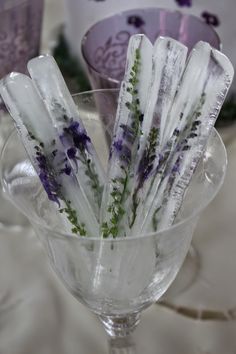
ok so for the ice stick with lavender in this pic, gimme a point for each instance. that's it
(46, 153)
(128, 129)
(78, 147)
(169, 57)
(201, 94)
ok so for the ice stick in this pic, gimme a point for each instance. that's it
(169, 60)
(46, 152)
(202, 92)
(78, 147)
(168, 65)
(128, 129)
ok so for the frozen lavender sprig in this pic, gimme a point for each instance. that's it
(47, 154)
(202, 92)
(128, 129)
(169, 58)
(77, 145)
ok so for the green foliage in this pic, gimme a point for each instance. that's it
(90, 172)
(72, 217)
(70, 66)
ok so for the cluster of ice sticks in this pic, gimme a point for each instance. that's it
(168, 104)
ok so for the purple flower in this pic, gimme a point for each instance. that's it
(74, 137)
(211, 19)
(146, 173)
(46, 176)
(118, 145)
(71, 152)
(41, 161)
(135, 21)
(50, 185)
(66, 170)
(128, 133)
(184, 2)
(74, 126)
(80, 140)
(145, 167)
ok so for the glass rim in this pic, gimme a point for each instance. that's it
(59, 234)
(121, 13)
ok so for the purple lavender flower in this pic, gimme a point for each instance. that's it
(122, 150)
(184, 3)
(74, 126)
(118, 145)
(146, 173)
(135, 21)
(50, 184)
(66, 170)
(146, 164)
(42, 162)
(176, 167)
(80, 140)
(79, 137)
(128, 133)
(145, 168)
(211, 19)
(71, 152)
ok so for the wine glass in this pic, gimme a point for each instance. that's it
(115, 278)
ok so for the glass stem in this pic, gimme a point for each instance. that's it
(119, 329)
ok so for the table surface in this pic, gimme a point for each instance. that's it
(37, 315)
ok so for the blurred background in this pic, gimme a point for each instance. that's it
(89, 40)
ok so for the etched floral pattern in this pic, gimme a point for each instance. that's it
(110, 57)
(184, 2)
(211, 19)
(136, 21)
(20, 28)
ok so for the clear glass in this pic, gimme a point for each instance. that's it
(10, 217)
(114, 278)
